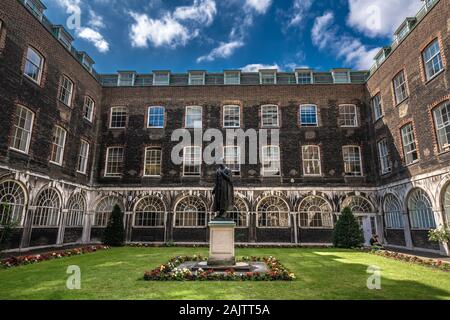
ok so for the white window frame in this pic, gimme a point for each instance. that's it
(442, 127)
(384, 156)
(352, 174)
(160, 83)
(224, 121)
(148, 161)
(111, 117)
(83, 158)
(195, 161)
(69, 90)
(262, 116)
(271, 159)
(298, 77)
(195, 216)
(343, 116)
(318, 161)
(114, 175)
(35, 8)
(267, 73)
(59, 144)
(407, 142)
(197, 78)
(437, 56)
(28, 131)
(40, 67)
(316, 124)
(149, 116)
(233, 159)
(397, 86)
(229, 75)
(89, 106)
(149, 212)
(339, 75)
(187, 115)
(128, 82)
(377, 106)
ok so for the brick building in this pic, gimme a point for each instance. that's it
(74, 143)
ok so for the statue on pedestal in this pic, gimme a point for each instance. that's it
(223, 192)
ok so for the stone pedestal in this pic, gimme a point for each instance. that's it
(221, 243)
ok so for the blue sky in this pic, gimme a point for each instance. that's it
(181, 35)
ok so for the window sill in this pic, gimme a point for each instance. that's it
(55, 163)
(113, 128)
(112, 177)
(378, 120)
(443, 152)
(82, 173)
(19, 151)
(401, 102)
(412, 163)
(434, 76)
(37, 83)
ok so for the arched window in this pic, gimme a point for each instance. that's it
(358, 204)
(190, 212)
(273, 212)
(447, 204)
(104, 210)
(149, 212)
(47, 209)
(76, 209)
(420, 210)
(315, 212)
(12, 202)
(393, 212)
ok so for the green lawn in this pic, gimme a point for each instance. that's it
(321, 274)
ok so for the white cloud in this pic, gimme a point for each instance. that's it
(380, 17)
(326, 36)
(259, 6)
(224, 50)
(298, 12)
(258, 66)
(95, 20)
(202, 11)
(95, 38)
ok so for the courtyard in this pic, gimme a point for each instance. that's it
(320, 274)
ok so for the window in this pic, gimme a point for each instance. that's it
(358, 205)
(271, 165)
(114, 162)
(400, 89)
(352, 161)
(194, 117)
(308, 116)
(341, 77)
(161, 78)
(304, 77)
(348, 116)
(232, 158)
(83, 157)
(315, 212)
(190, 212)
(268, 77)
(446, 205)
(104, 210)
(383, 156)
(58, 144)
(232, 77)
(196, 79)
(65, 91)
(47, 209)
(377, 107)
(23, 127)
(35, 7)
(88, 108)
(442, 123)
(420, 210)
(393, 212)
(76, 209)
(409, 144)
(192, 161)
(126, 79)
(33, 65)
(149, 212)
(311, 160)
(231, 116)
(239, 213)
(156, 117)
(12, 202)
(118, 118)
(269, 116)
(152, 162)
(273, 212)
(432, 60)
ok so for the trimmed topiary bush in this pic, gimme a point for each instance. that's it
(115, 233)
(347, 233)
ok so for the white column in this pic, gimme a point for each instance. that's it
(407, 230)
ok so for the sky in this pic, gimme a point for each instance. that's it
(215, 35)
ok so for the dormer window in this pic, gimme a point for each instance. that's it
(86, 61)
(341, 76)
(161, 78)
(268, 76)
(196, 78)
(126, 79)
(36, 7)
(304, 76)
(404, 29)
(232, 77)
(63, 36)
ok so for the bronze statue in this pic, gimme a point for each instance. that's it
(223, 192)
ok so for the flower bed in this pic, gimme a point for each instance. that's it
(169, 271)
(433, 263)
(35, 258)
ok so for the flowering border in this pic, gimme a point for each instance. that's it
(432, 263)
(30, 259)
(168, 272)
